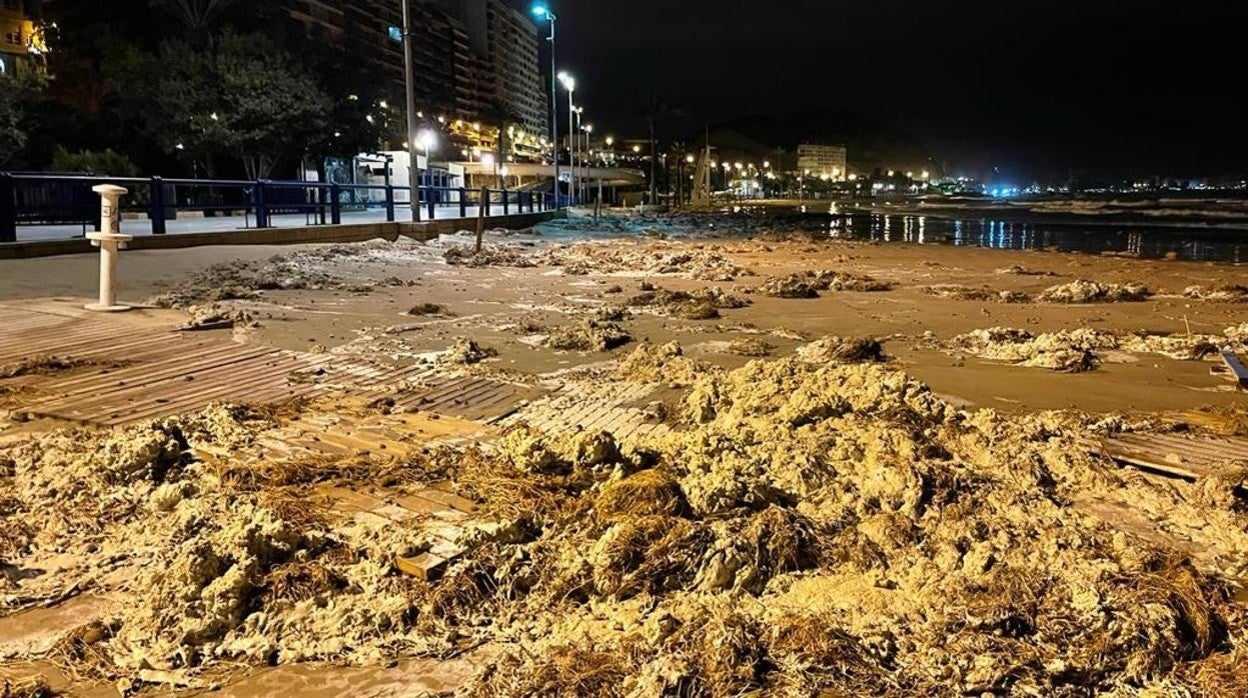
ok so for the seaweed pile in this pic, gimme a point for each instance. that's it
(1082, 291)
(1068, 350)
(808, 284)
(810, 528)
(699, 304)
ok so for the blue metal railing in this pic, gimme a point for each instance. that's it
(46, 199)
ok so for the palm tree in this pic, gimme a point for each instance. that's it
(197, 16)
(658, 107)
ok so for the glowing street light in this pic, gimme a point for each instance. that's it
(610, 141)
(427, 139)
(542, 11)
(689, 158)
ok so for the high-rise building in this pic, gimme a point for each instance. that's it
(21, 46)
(449, 79)
(822, 161)
(508, 42)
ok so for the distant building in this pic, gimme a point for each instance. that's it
(467, 55)
(21, 44)
(823, 161)
(508, 42)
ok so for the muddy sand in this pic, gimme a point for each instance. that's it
(861, 474)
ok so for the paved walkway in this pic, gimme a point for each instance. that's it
(228, 223)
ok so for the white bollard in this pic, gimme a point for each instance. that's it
(109, 240)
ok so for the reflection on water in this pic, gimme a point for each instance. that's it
(1213, 246)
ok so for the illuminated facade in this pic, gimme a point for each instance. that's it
(823, 161)
(21, 44)
(508, 42)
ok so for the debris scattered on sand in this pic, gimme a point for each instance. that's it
(465, 352)
(841, 350)
(244, 279)
(1175, 346)
(1023, 271)
(969, 293)
(750, 346)
(692, 261)
(1068, 350)
(428, 309)
(588, 335)
(808, 284)
(492, 255)
(217, 315)
(47, 365)
(1082, 291)
(812, 527)
(1225, 293)
(662, 363)
(700, 304)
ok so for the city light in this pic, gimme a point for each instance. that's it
(636, 149)
(689, 159)
(610, 141)
(540, 10)
(427, 139)
(568, 82)
(487, 159)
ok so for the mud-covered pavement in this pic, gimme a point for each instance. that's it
(801, 466)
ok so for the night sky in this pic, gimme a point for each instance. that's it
(1122, 87)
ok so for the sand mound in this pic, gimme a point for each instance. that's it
(491, 255)
(1093, 292)
(1067, 350)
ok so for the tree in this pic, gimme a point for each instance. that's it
(245, 97)
(12, 136)
(502, 117)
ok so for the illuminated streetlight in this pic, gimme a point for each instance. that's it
(542, 11)
(427, 139)
(689, 158)
(610, 141)
(636, 149)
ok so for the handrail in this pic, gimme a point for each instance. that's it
(29, 199)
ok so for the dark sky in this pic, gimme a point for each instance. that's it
(1112, 87)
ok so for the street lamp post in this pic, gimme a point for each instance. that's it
(413, 174)
(569, 84)
(541, 10)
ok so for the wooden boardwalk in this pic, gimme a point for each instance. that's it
(123, 372)
(1187, 457)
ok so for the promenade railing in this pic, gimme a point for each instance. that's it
(35, 199)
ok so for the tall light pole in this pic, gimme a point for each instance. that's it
(541, 10)
(413, 174)
(569, 84)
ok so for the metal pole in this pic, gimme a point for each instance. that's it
(571, 150)
(554, 111)
(413, 169)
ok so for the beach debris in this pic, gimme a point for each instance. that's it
(1224, 293)
(841, 350)
(650, 257)
(429, 309)
(1082, 291)
(660, 363)
(1068, 350)
(969, 293)
(1175, 346)
(466, 351)
(491, 255)
(808, 284)
(750, 346)
(588, 335)
(211, 316)
(700, 304)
